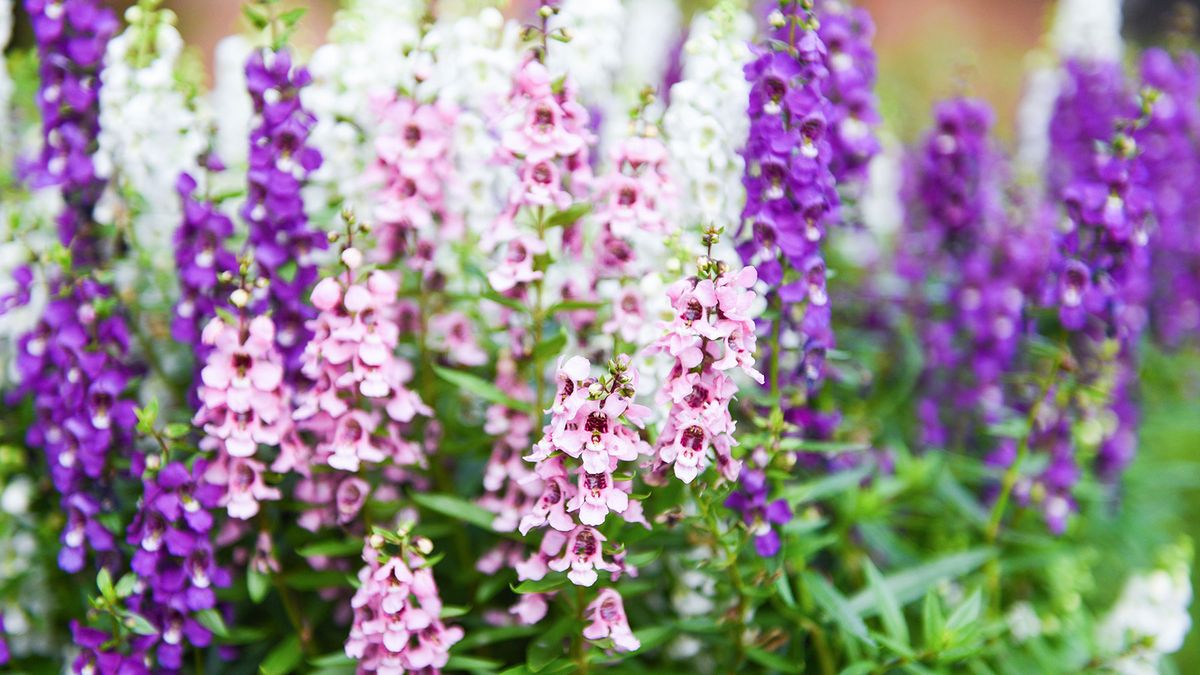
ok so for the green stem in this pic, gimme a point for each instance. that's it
(731, 569)
(539, 318)
(578, 644)
(1009, 481)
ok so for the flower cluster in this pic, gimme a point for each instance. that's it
(244, 403)
(397, 625)
(148, 133)
(706, 119)
(1149, 620)
(366, 60)
(73, 365)
(352, 358)
(853, 114)
(175, 566)
(791, 196)
(545, 133)
(968, 279)
(412, 168)
(280, 162)
(201, 256)
(712, 333)
(71, 38)
(581, 448)
(1170, 145)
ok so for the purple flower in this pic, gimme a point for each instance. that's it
(760, 515)
(791, 194)
(72, 364)
(280, 162)
(71, 38)
(201, 255)
(847, 33)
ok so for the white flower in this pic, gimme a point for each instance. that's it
(1023, 621)
(1088, 29)
(148, 135)
(231, 105)
(593, 54)
(372, 53)
(1153, 608)
(707, 121)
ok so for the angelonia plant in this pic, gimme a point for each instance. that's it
(560, 336)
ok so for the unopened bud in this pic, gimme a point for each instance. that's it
(375, 541)
(352, 257)
(240, 298)
(423, 545)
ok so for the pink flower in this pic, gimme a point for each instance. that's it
(244, 486)
(356, 374)
(596, 496)
(517, 266)
(551, 506)
(583, 555)
(607, 613)
(712, 333)
(243, 404)
(530, 608)
(453, 334)
(396, 624)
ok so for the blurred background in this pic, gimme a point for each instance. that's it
(928, 50)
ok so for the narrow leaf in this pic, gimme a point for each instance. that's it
(835, 605)
(212, 620)
(283, 658)
(912, 583)
(482, 388)
(889, 608)
(457, 508)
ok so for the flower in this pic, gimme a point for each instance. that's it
(759, 514)
(280, 162)
(607, 614)
(396, 608)
(710, 334)
(244, 403)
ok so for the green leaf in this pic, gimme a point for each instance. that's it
(255, 16)
(822, 447)
(933, 624)
(226, 316)
(783, 587)
(457, 508)
(211, 619)
(332, 660)
(458, 662)
(147, 416)
(126, 585)
(771, 660)
(823, 488)
(541, 585)
(551, 346)
(889, 609)
(835, 605)
(139, 624)
(331, 547)
(912, 583)
(858, 668)
(492, 634)
(574, 305)
(286, 271)
(312, 580)
(569, 215)
(965, 614)
(105, 584)
(257, 585)
(283, 658)
(483, 389)
(548, 646)
(177, 430)
(451, 611)
(293, 16)
(653, 636)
